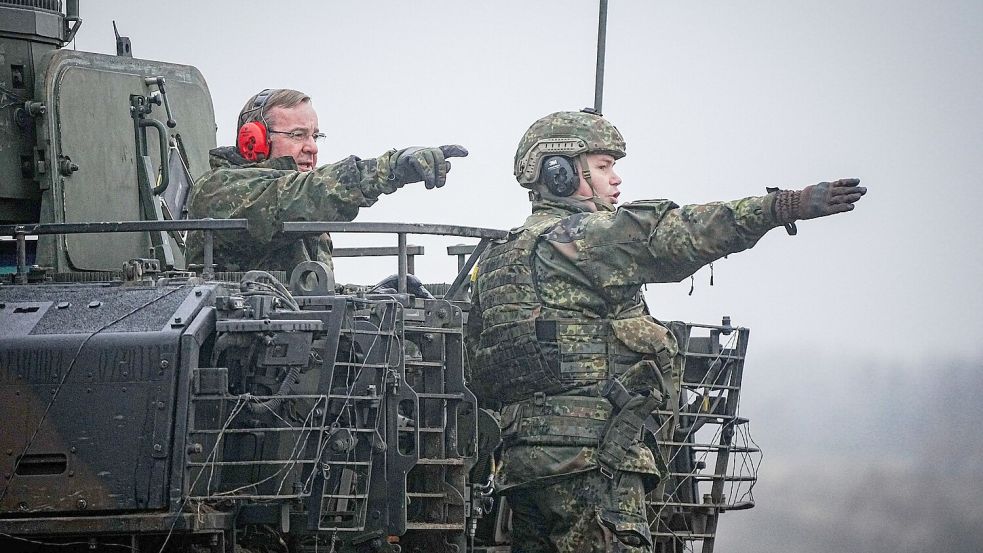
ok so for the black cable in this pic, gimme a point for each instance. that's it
(68, 372)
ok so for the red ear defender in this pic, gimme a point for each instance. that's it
(253, 142)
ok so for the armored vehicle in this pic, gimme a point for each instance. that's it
(146, 405)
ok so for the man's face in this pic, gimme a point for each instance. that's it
(603, 177)
(300, 118)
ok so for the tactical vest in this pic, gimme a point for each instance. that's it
(526, 347)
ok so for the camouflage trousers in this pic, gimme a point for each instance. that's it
(583, 513)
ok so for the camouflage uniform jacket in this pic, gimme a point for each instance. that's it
(588, 267)
(273, 191)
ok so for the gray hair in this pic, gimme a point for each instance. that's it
(256, 107)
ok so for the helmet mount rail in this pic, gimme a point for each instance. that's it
(529, 171)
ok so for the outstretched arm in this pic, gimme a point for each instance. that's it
(334, 192)
(658, 241)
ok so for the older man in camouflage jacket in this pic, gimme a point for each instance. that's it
(271, 176)
(563, 341)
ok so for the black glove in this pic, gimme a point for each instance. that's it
(414, 286)
(818, 200)
(425, 164)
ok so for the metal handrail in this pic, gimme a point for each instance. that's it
(486, 235)
(33, 229)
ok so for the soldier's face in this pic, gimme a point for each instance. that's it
(302, 118)
(603, 177)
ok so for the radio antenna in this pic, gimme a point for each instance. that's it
(602, 24)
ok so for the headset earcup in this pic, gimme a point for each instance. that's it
(253, 142)
(559, 176)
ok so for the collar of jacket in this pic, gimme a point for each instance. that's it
(559, 206)
(229, 157)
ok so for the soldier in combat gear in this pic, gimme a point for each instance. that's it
(563, 341)
(272, 176)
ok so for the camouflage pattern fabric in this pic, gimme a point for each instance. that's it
(587, 513)
(273, 191)
(567, 133)
(589, 266)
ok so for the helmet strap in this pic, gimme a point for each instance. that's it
(598, 202)
(585, 169)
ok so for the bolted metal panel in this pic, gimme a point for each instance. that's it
(88, 375)
(89, 125)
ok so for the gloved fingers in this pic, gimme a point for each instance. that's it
(433, 161)
(847, 192)
(847, 198)
(446, 151)
(840, 208)
(453, 150)
(427, 164)
(851, 189)
(441, 167)
(422, 169)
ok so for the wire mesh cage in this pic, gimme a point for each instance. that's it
(711, 458)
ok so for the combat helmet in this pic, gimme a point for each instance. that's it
(565, 133)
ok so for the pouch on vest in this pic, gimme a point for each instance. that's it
(524, 357)
(645, 335)
(511, 364)
(557, 421)
(624, 430)
(630, 530)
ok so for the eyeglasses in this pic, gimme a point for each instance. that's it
(300, 136)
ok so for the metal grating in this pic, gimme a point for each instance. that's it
(711, 457)
(232, 440)
(437, 489)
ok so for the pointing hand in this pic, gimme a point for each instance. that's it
(429, 165)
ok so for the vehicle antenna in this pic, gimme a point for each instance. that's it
(602, 24)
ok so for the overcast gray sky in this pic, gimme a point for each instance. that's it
(717, 100)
